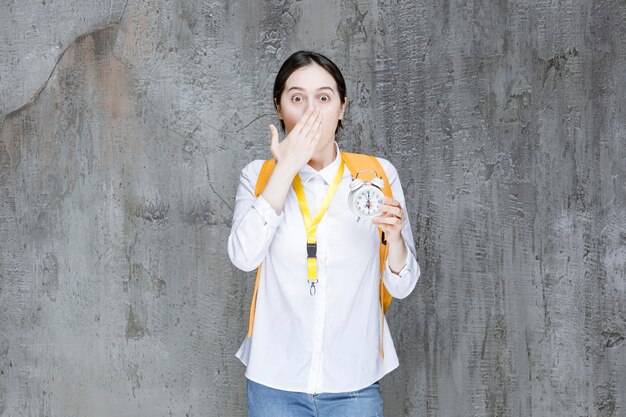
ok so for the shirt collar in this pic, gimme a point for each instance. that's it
(327, 173)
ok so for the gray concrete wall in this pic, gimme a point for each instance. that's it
(123, 131)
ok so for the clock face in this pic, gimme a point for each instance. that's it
(368, 201)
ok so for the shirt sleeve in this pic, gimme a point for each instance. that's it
(400, 285)
(254, 222)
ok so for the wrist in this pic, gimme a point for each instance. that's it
(286, 170)
(394, 239)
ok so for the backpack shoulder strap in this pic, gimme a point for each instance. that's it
(264, 176)
(358, 162)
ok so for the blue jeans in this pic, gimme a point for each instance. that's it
(264, 401)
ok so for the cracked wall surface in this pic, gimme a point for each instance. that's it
(33, 37)
(124, 127)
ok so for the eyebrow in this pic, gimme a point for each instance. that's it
(302, 89)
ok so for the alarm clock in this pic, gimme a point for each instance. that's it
(366, 198)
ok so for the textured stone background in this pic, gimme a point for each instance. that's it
(124, 129)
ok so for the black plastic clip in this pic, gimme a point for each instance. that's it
(311, 250)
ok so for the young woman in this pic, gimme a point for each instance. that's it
(315, 350)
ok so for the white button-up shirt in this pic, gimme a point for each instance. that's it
(328, 342)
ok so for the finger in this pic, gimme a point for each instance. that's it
(273, 141)
(317, 137)
(273, 135)
(315, 130)
(387, 220)
(308, 126)
(391, 201)
(393, 210)
(303, 120)
(377, 223)
(309, 123)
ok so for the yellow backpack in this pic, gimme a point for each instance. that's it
(355, 162)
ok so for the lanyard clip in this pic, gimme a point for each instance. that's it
(311, 250)
(311, 253)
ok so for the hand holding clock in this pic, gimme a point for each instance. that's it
(391, 219)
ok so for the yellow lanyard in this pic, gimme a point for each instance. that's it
(311, 224)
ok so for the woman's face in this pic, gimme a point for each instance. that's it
(312, 86)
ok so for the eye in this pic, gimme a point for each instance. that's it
(324, 98)
(296, 98)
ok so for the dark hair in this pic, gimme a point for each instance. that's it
(302, 59)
